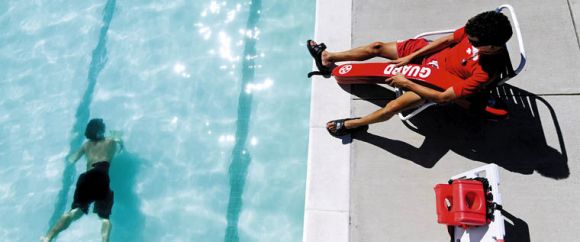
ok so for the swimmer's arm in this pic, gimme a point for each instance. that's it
(423, 91)
(116, 136)
(76, 156)
(121, 144)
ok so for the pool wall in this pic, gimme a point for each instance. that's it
(326, 212)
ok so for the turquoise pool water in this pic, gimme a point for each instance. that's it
(211, 97)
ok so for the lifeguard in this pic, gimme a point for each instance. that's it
(475, 54)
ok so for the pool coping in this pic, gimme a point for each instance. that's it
(327, 199)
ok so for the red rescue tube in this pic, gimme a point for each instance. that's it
(372, 73)
(365, 73)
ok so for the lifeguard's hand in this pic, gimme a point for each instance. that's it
(402, 61)
(398, 80)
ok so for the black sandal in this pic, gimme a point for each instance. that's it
(316, 53)
(341, 130)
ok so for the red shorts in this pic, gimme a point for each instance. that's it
(406, 47)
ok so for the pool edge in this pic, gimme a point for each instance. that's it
(327, 199)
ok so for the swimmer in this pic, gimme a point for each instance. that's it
(93, 185)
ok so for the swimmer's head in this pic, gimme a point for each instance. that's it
(95, 130)
(489, 28)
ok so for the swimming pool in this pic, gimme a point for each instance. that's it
(211, 97)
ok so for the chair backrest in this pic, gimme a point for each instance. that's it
(510, 72)
(504, 70)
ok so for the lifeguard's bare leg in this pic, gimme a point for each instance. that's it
(376, 49)
(62, 224)
(403, 102)
(106, 229)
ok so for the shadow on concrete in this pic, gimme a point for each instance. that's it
(516, 229)
(517, 144)
(373, 93)
(451, 232)
(127, 219)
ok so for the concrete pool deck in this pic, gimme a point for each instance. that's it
(379, 186)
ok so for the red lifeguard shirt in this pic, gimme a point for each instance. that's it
(462, 60)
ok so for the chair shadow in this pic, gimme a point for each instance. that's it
(516, 229)
(127, 219)
(517, 143)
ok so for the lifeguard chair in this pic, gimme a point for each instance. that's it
(471, 202)
(483, 101)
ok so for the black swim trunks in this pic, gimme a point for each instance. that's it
(93, 186)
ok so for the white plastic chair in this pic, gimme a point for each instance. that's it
(520, 67)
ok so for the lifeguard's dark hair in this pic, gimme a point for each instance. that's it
(95, 130)
(491, 28)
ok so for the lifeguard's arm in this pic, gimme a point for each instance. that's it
(76, 156)
(432, 47)
(425, 92)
